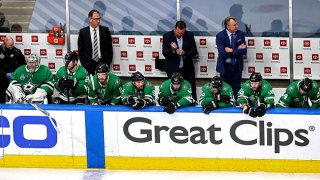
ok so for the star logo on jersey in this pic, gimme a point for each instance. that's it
(29, 87)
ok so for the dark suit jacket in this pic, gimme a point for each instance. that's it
(85, 47)
(173, 60)
(223, 41)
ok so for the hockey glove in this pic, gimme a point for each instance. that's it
(140, 103)
(165, 101)
(132, 100)
(249, 111)
(170, 108)
(39, 95)
(209, 107)
(67, 83)
(261, 110)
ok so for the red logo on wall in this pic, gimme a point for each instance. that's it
(132, 67)
(267, 42)
(155, 54)
(147, 40)
(34, 38)
(299, 57)
(115, 40)
(116, 67)
(43, 52)
(251, 69)
(58, 52)
(315, 57)
(139, 54)
(148, 68)
(161, 40)
(306, 43)
(210, 55)
(283, 42)
(51, 65)
(275, 56)
(124, 54)
(203, 69)
(18, 38)
(250, 42)
(2, 37)
(203, 42)
(131, 40)
(283, 70)
(259, 56)
(267, 69)
(307, 70)
(27, 52)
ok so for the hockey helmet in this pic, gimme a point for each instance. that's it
(255, 77)
(306, 84)
(137, 76)
(71, 56)
(177, 78)
(102, 68)
(216, 82)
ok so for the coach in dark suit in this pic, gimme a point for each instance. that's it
(94, 43)
(232, 47)
(178, 48)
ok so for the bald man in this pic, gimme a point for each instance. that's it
(10, 59)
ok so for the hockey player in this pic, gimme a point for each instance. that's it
(71, 81)
(216, 94)
(104, 88)
(31, 82)
(139, 92)
(175, 93)
(255, 96)
(301, 94)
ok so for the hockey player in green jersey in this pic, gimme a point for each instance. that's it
(71, 81)
(31, 82)
(216, 94)
(138, 93)
(104, 88)
(255, 96)
(174, 93)
(301, 94)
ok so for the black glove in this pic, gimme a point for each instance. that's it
(131, 100)
(209, 107)
(224, 98)
(140, 103)
(66, 83)
(165, 101)
(251, 112)
(170, 108)
(261, 110)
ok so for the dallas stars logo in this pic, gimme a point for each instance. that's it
(28, 88)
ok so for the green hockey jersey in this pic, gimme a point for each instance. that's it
(147, 93)
(42, 78)
(183, 97)
(292, 97)
(264, 94)
(207, 95)
(110, 93)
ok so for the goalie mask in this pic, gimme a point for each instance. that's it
(33, 62)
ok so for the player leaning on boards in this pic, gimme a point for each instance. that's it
(138, 92)
(255, 96)
(216, 94)
(175, 93)
(301, 94)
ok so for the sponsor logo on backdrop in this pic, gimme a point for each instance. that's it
(52, 65)
(299, 58)
(124, 54)
(116, 67)
(283, 70)
(267, 42)
(203, 69)
(251, 42)
(155, 54)
(283, 43)
(307, 70)
(27, 52)
(34, 38)
(267, 69)
(203, 43)
(259, 57)
(142, 130)
(315, 57)
(251, 69)
(2, 37)
(275, 58)
(43, 52)
(115, 40)
(131, 42)
(132, 67)
(161, 40)
(19, 38)
(147, 41)
(59, 52)
(148, 68)
(211, 56)
(139, 55)
(306, 43)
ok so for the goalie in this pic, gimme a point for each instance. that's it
(31, 83)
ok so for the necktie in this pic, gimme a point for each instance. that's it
(95, 46)
(180, 47)
(233, 60)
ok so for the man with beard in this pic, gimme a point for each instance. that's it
(104, 88)
(139, 92)
(10, 59)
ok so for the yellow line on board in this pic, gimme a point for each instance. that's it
(206, 164)
(43, 161)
